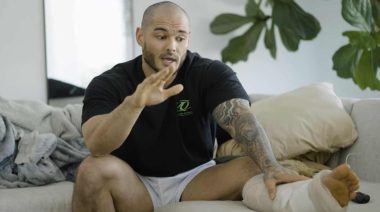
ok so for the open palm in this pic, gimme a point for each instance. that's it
(152, 90)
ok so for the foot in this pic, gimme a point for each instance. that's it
(342, 184)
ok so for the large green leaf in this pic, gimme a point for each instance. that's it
(269, 3)
(376, 36)
(239, 47)
(365, 72)
(285, 1)
(376, 11)
(290, 40)
(270, 41)
(291, 16)
(358, 13)
(228, 22)
(360, 39)
(376, 56)
(252, 9)
(345, 60)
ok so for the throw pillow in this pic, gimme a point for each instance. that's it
(309, 119)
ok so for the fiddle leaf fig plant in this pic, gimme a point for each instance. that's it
(360, 58)
(292, 22)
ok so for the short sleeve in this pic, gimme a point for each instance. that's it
(101, 97)
(222, 85)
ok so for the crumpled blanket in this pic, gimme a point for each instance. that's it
(39, 144)
(308, 164)
(34, 115)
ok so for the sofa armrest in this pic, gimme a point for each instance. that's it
(364, 156)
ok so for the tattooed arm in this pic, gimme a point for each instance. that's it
(236, 118)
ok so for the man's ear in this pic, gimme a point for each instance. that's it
(139, 36)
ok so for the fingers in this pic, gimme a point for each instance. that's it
(153, 89)
(271, 187)
(159, 77)
(281, 177)
(272, 183)
(174, 90)
(293, 178)
(162, 76)
(167, 73)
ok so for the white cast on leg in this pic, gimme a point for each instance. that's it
(308, 195)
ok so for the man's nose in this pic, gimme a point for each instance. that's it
(171, 45)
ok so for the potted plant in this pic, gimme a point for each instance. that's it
(359, 59)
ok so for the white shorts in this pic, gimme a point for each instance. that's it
(165, 190)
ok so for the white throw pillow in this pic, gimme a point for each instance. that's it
(309, 119)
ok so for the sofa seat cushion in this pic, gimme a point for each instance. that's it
(373, 189)
(57, 198)
(209, 206)
(49, 198)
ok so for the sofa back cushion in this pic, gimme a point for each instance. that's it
(364, 155)
(309, 119)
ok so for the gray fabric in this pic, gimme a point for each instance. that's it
(39, 144)
(27, 115)
(348, 104)
(37, 116)
(37, 159)
(365, 152)
(7, 135)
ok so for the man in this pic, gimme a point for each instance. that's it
(149, 125)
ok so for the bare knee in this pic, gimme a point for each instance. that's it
(96, 178)
(95, 175)
(98, 170)
(107, 183)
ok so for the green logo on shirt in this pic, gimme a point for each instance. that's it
(183, 107)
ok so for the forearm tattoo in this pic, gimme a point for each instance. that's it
(236, 118)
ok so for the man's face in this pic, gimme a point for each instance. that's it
(165, 39)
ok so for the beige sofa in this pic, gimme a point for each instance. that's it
(366, 163)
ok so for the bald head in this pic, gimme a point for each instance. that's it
(167, 6)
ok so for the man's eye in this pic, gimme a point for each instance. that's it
(160, 37)
(180, 39)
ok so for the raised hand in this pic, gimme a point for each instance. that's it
(153, 89)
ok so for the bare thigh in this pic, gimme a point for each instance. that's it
(221, 182)
(109, 184)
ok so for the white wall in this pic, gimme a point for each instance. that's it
(261, 74)
(22, 51)
(22, 57)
